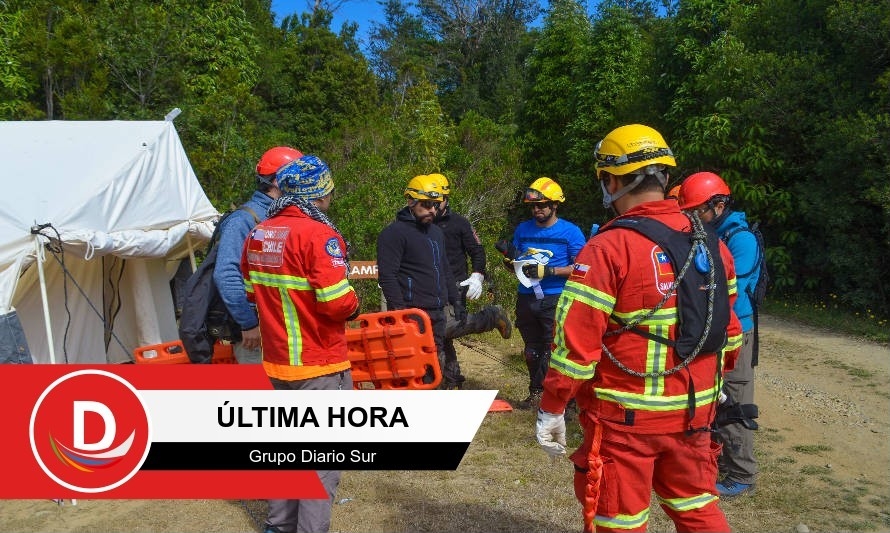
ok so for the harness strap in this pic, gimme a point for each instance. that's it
(256, 219)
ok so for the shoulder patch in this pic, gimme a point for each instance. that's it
(579, 271)
(664, 271)
(332, 247)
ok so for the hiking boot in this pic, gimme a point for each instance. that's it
(532, 401)
(502, 322)
(729, 489)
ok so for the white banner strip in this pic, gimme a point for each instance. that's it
(316, 416)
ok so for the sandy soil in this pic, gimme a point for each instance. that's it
(824, 401)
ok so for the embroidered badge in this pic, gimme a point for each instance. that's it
(332, 247)
(664, 271)
(266, 246)
(579, 271)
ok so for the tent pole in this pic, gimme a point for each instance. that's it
(148, 331)
(41, 257)
(194, 263)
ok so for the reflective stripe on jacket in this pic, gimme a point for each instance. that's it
(295, 271)
(624, 274)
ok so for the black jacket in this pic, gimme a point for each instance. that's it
(461, 241)
(412, 265)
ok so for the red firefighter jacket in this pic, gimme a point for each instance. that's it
(622, 273)
(295, 270)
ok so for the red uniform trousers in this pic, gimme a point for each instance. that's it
(681, 468)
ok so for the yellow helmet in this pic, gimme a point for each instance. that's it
(427, 187)
(443, 183)
(543, 190)
(631, 148)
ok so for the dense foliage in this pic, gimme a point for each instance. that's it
(788, 100)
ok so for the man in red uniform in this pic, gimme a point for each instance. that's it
(645, 410)
(294, 266)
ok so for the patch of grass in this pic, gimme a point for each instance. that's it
(829, 314)
(785, 459)
(812, 470)
(770, 435)
(854, 372)
(857, 525)
(811, 449)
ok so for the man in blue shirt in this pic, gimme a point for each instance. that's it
(232, 234)
(546, 246)
(708, 194)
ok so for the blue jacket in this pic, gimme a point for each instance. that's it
(227, 273)
(564, 239)
(746, 256)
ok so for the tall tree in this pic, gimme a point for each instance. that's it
(401, 50)
(481, 44)
(321, 81)
(13, 78)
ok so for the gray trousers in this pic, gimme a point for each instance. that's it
(481, 322)
(737, 459)
(309, 516)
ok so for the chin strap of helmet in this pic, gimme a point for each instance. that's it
(648, 170)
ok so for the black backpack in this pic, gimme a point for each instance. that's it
(204, 318)
(693, 289)
(758, 293)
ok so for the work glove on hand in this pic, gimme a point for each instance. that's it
(474, 285)
(550, 431)
(460, 312)
(536, 270)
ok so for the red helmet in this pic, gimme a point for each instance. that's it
(699, 188)
(275, 158)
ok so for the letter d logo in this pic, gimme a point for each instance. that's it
(80, 408)
(90, 431)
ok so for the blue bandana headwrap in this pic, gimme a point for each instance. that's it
(307, 177)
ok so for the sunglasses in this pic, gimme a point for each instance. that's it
(542, 205)
(428, 204)
(533, 195)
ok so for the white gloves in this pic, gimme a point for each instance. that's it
(550, 431)
(474, 285)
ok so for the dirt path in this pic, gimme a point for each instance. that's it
(819, 390)
(824, 446)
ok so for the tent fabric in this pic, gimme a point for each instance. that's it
(121, 190)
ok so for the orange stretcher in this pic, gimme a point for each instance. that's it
(389, 350)
(173, 353)
(393, 350)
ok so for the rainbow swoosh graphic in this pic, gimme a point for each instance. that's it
(88, 462)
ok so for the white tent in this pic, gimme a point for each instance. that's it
(122, 198)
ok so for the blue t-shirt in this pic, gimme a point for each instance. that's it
(564, 239)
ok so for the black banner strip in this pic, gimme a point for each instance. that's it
(305, 456)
